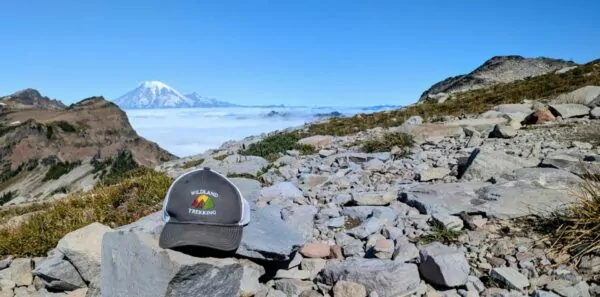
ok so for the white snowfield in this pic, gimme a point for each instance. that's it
(156, 94)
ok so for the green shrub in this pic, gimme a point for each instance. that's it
(49, 132)
(65, 126)
(305, 149)
(5, 129)
(60, 190)
(440, 233)
(59, 169)
(7, 196)
(387, 142)
(270, 147)
(120, 167)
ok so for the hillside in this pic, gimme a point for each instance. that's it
(30, 98)
(49, 148)
(497, 70)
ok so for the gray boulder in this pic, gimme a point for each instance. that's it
(483, 165)
(268, 237)
(386, 277)
(434, 173)
(282, 190)
(572, 162)
(569, 110)
(363, 212)
(584, 96)
(83, 248)
(510, 277)
(250, 188)
(513, 108)
(549, 178)
(237, 164)
(58, 273)
(443, 265)
(20, 272)
(374, 198)
(134, 265)
(503, 131)
(366, 228)
(595, 112)
(301, 218)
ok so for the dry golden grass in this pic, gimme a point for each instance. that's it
(192, 163)
(575, 229)
(137, 195)
(386, 142)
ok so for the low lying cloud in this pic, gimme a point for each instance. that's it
(185, 132)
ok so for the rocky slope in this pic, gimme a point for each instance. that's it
(48, 148)
(452, 216)
(30, 98)
(499, 69)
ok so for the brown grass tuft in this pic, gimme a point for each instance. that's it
(192, 163)
(574, 230)
(137, 195)
(387, 142)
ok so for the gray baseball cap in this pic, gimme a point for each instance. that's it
(204, 208)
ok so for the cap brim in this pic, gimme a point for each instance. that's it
(225, 238)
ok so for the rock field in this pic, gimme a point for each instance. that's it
(344, 223)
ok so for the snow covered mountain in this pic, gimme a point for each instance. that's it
(200, 101)
(155, 94)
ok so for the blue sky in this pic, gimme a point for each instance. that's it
(309, 52)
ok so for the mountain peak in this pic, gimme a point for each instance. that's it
(156, 94)
(31, 98)
(154, 84)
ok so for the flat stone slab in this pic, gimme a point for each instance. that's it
(134, 265)
(269, 237)
(425, 131)
(491, 164)
(507, 199)
(569, 110)
(386, 277)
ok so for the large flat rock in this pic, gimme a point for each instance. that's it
(269, 237)
(266, 237)
(386, 277)
(82, 248)
(569, 110)
(250, 188)
(522, 192)
(134, 265)
(575, 163)
(424, 131)
(448, 198)
(237, 164)
(483, 125)
(584, 95)
(513, 108)
(484, 165)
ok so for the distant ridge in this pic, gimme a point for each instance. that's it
(498, 69)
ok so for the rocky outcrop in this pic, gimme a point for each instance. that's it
(500, 69)
(47, 136)
(30, 98)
